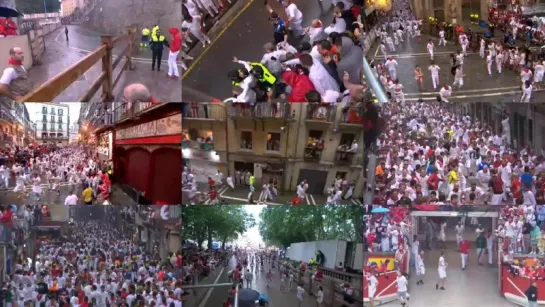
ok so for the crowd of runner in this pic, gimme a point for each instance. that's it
(94, 264)
(33, 171)
(325, 68)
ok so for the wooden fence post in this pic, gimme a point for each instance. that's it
(107, 89)
(131, 35)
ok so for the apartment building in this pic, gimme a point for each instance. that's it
(16, 128)
(52, 122)
(276, 140)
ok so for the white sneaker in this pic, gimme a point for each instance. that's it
(183, 66)
(204, 44)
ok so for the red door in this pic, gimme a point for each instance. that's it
(138, 169)
(166, 176)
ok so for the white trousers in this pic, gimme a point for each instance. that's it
(297, 28)
(435, 80)
(465, 257)
(172, 66)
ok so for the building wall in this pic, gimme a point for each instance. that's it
(68, 7)
(293, 139)
(36, 115)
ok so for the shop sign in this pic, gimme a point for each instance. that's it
(164, 126)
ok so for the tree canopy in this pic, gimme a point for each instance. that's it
(37, 6)
(215, 223)
(284, 225)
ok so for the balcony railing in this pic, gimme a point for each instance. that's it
(5, 115)
(280, 110)
(53, 137)
(200, 110)
(121, 112)
(344, 157)
(321, 113)
(312, 154)
(194, 144)
(352, 116)
(6, 233)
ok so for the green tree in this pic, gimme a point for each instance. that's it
(284, 225)
(215, 223)
(37, 6)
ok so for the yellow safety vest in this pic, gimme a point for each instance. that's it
(236, 83)
(252, 180)
(145, 31)
(154, 33)
(267, 76)
(109, 172)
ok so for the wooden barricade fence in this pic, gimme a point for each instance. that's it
(333, 294)
(53, 87)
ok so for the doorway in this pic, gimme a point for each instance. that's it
(316, 180)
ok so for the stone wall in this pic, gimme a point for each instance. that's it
(111, 17)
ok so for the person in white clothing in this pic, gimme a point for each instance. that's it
(525, 75)
(540, 71)
(482, 47)
(390, 44)
(458, 77)
(194, 24)
(527, 92)
(434, 70)
(402, 283)
(391, 64)
(499, 62)
(399, 96)
(300, 292)
(445, 92)
(430, 48)
(315, 32)
(489, 61)
(442, 38)
(318, 75)
(420, 268)
(372, 284)
(295, 18)
(442, 270)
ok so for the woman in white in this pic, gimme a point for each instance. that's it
(442, 270)
(420, 268)
(36, 188)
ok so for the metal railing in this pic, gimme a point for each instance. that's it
(312, 154)
(121, 112)
(200, 110)
(344, 157)
(352, 116)
(318, 112)
(280, 110)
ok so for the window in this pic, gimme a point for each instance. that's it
(347, 139)
(52, 111)
(314, 134)
(52, 118)
(44, 118)
(44, 135)
(341, 175)
(60, 127)
(273, 141)
(245, 140)
(59, 111)
(60, 119)
(44, 110)
(44, 127)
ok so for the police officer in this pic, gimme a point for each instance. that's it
(280, 33)
(157, 44)
(266, 81)
(145, 37)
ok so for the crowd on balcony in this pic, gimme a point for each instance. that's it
(31, 170)
(96, 264)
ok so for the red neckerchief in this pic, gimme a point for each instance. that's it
(318, 26)
(15, 62)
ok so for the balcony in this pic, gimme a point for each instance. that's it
(187, 144)
(312, 154)
(352, 117)
(263, 110)
(203, 111)
(343, 157)
(320, 113)
(5, 115)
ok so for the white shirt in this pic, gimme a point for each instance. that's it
(434, 69)
(294, 13)
(430, 47)
(391, 64)
(71, 200)
(526, 75)
(321, 79)
(320, 296)
(195, 23)
(9, 75)
(401, 284)
(300, 292)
